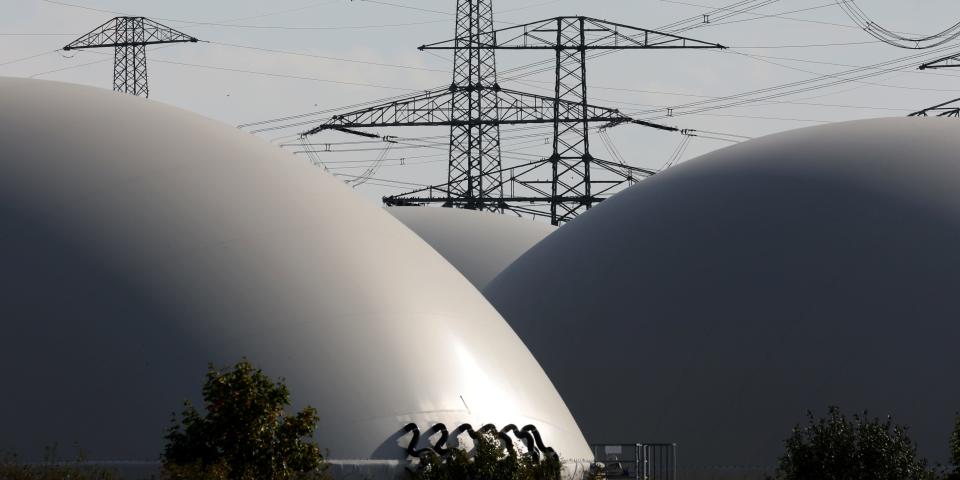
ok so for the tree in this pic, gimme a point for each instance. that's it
(245, 434)
(854, 448)
(490, 461)
(955, 449)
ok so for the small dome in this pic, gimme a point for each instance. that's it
(479, 244)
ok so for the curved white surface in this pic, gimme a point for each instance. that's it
(713, 304)
(479, 244)
(139, 242)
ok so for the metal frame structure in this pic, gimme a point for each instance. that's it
(474, 169)
(647, 461)
(129, 37)
(573, 187)
(946, 109)
(559, 187)
(949, 108)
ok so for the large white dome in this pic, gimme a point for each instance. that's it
(479, 244)
(713, 304)
(139, 242)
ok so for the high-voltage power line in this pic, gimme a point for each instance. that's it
(129, 37)
(896, 39)
(475, 109)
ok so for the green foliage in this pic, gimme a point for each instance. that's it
(490, 461)
(245, 434)
(52, 469)
(854, 448)
(955, 449)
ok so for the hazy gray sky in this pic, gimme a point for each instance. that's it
(783, 42)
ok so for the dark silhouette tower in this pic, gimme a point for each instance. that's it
(577, 179)
(474, 174)
(474, 107)
(129, 37)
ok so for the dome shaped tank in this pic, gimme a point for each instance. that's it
(479, 244)
(139, 242)
(713, 304)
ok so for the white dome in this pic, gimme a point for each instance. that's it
(139, 242)
(713, 304)
(479, 244)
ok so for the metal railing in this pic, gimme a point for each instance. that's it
(640, 461)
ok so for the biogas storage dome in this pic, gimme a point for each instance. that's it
(713, 304)
(139, 242)
(479, 244)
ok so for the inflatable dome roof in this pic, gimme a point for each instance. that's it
(715, 303)
(138, 242)
(479, 244)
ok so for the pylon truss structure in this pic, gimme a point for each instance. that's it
(573, 33)
(129, 37)
(946, 109)
(950, 61)
(474, 148)
(438, 108)
(571, 180)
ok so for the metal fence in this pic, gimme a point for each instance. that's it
(641, 461)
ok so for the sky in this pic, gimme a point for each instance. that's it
(261, 60)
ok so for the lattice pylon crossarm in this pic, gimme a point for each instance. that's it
(597, 35)
(116, 33)
(946, 109)
(951, 61)
(434, 108)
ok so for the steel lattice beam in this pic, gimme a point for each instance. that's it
(945, 109)
(587, 34)
(129, 37)
(472, 172)
(950, 61)
(435, 108)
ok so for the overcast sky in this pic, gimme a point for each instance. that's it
(355, 51)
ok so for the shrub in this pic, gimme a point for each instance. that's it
(245, 434)
(854, 448)
(955, 449)
(490, 461)
(11, 468)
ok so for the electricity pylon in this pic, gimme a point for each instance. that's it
(474, 173)
(576, 180)
(129, 37)
(573, 188)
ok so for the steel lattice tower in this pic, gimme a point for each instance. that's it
(129, 37)
(574, 187)
(560, 187)
(474, 173)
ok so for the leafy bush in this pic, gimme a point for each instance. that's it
(245, 434)
(490, 461)
(854, 448)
